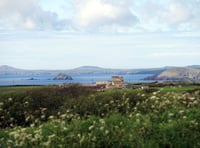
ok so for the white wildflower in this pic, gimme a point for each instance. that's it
(169, 121)
(102, 121)
(192, 98)
(47, 144)
(184, 117)
(181, 112)
(193, 121)
(63, 116)
(138, 120)
(138, 103)
(32, 125)
(106, 132)
(130, 115)
(52, 136)
(137, 115)
(91, 127)
(152, 97)
(170, 114)
(79, 135)
(82, 139)
(155, 93)
(101, 128)
(94, 138)
(1, 104)
(10, 99)
(195, 102)
(43, 116)
(65, 129)
(51, 117)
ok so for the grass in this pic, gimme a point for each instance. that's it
(10, 89)
(179, 88)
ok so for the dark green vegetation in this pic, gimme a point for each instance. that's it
(145, 115)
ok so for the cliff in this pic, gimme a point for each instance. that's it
(183, 74)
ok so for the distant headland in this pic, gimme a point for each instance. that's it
(168, 73)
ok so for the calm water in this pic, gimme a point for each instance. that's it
(46, 79)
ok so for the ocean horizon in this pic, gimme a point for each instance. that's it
(47, 79)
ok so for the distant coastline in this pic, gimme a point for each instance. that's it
(91, 74)
(47, 79)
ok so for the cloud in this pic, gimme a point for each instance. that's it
(180, 15)
(176, 13)
(27, 14)
(175, 54)
(99, 14)
(169, 15)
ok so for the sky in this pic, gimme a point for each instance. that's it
(65, 34)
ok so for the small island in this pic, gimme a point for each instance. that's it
(32, 79)
(62, 76)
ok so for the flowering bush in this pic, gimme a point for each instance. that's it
(114, 118)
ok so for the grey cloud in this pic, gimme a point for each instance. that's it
(103, 16)
(27, 14)
(175, 15)
(183, 15)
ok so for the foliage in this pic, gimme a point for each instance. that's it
(74, 116)
(22, 108)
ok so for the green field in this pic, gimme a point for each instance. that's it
(178, 88)
(75, 116)
(16, 88)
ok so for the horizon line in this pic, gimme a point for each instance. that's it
(94, 66)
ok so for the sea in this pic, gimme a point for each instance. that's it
(47, 79)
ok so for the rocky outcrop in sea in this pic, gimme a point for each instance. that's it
(62, 76)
